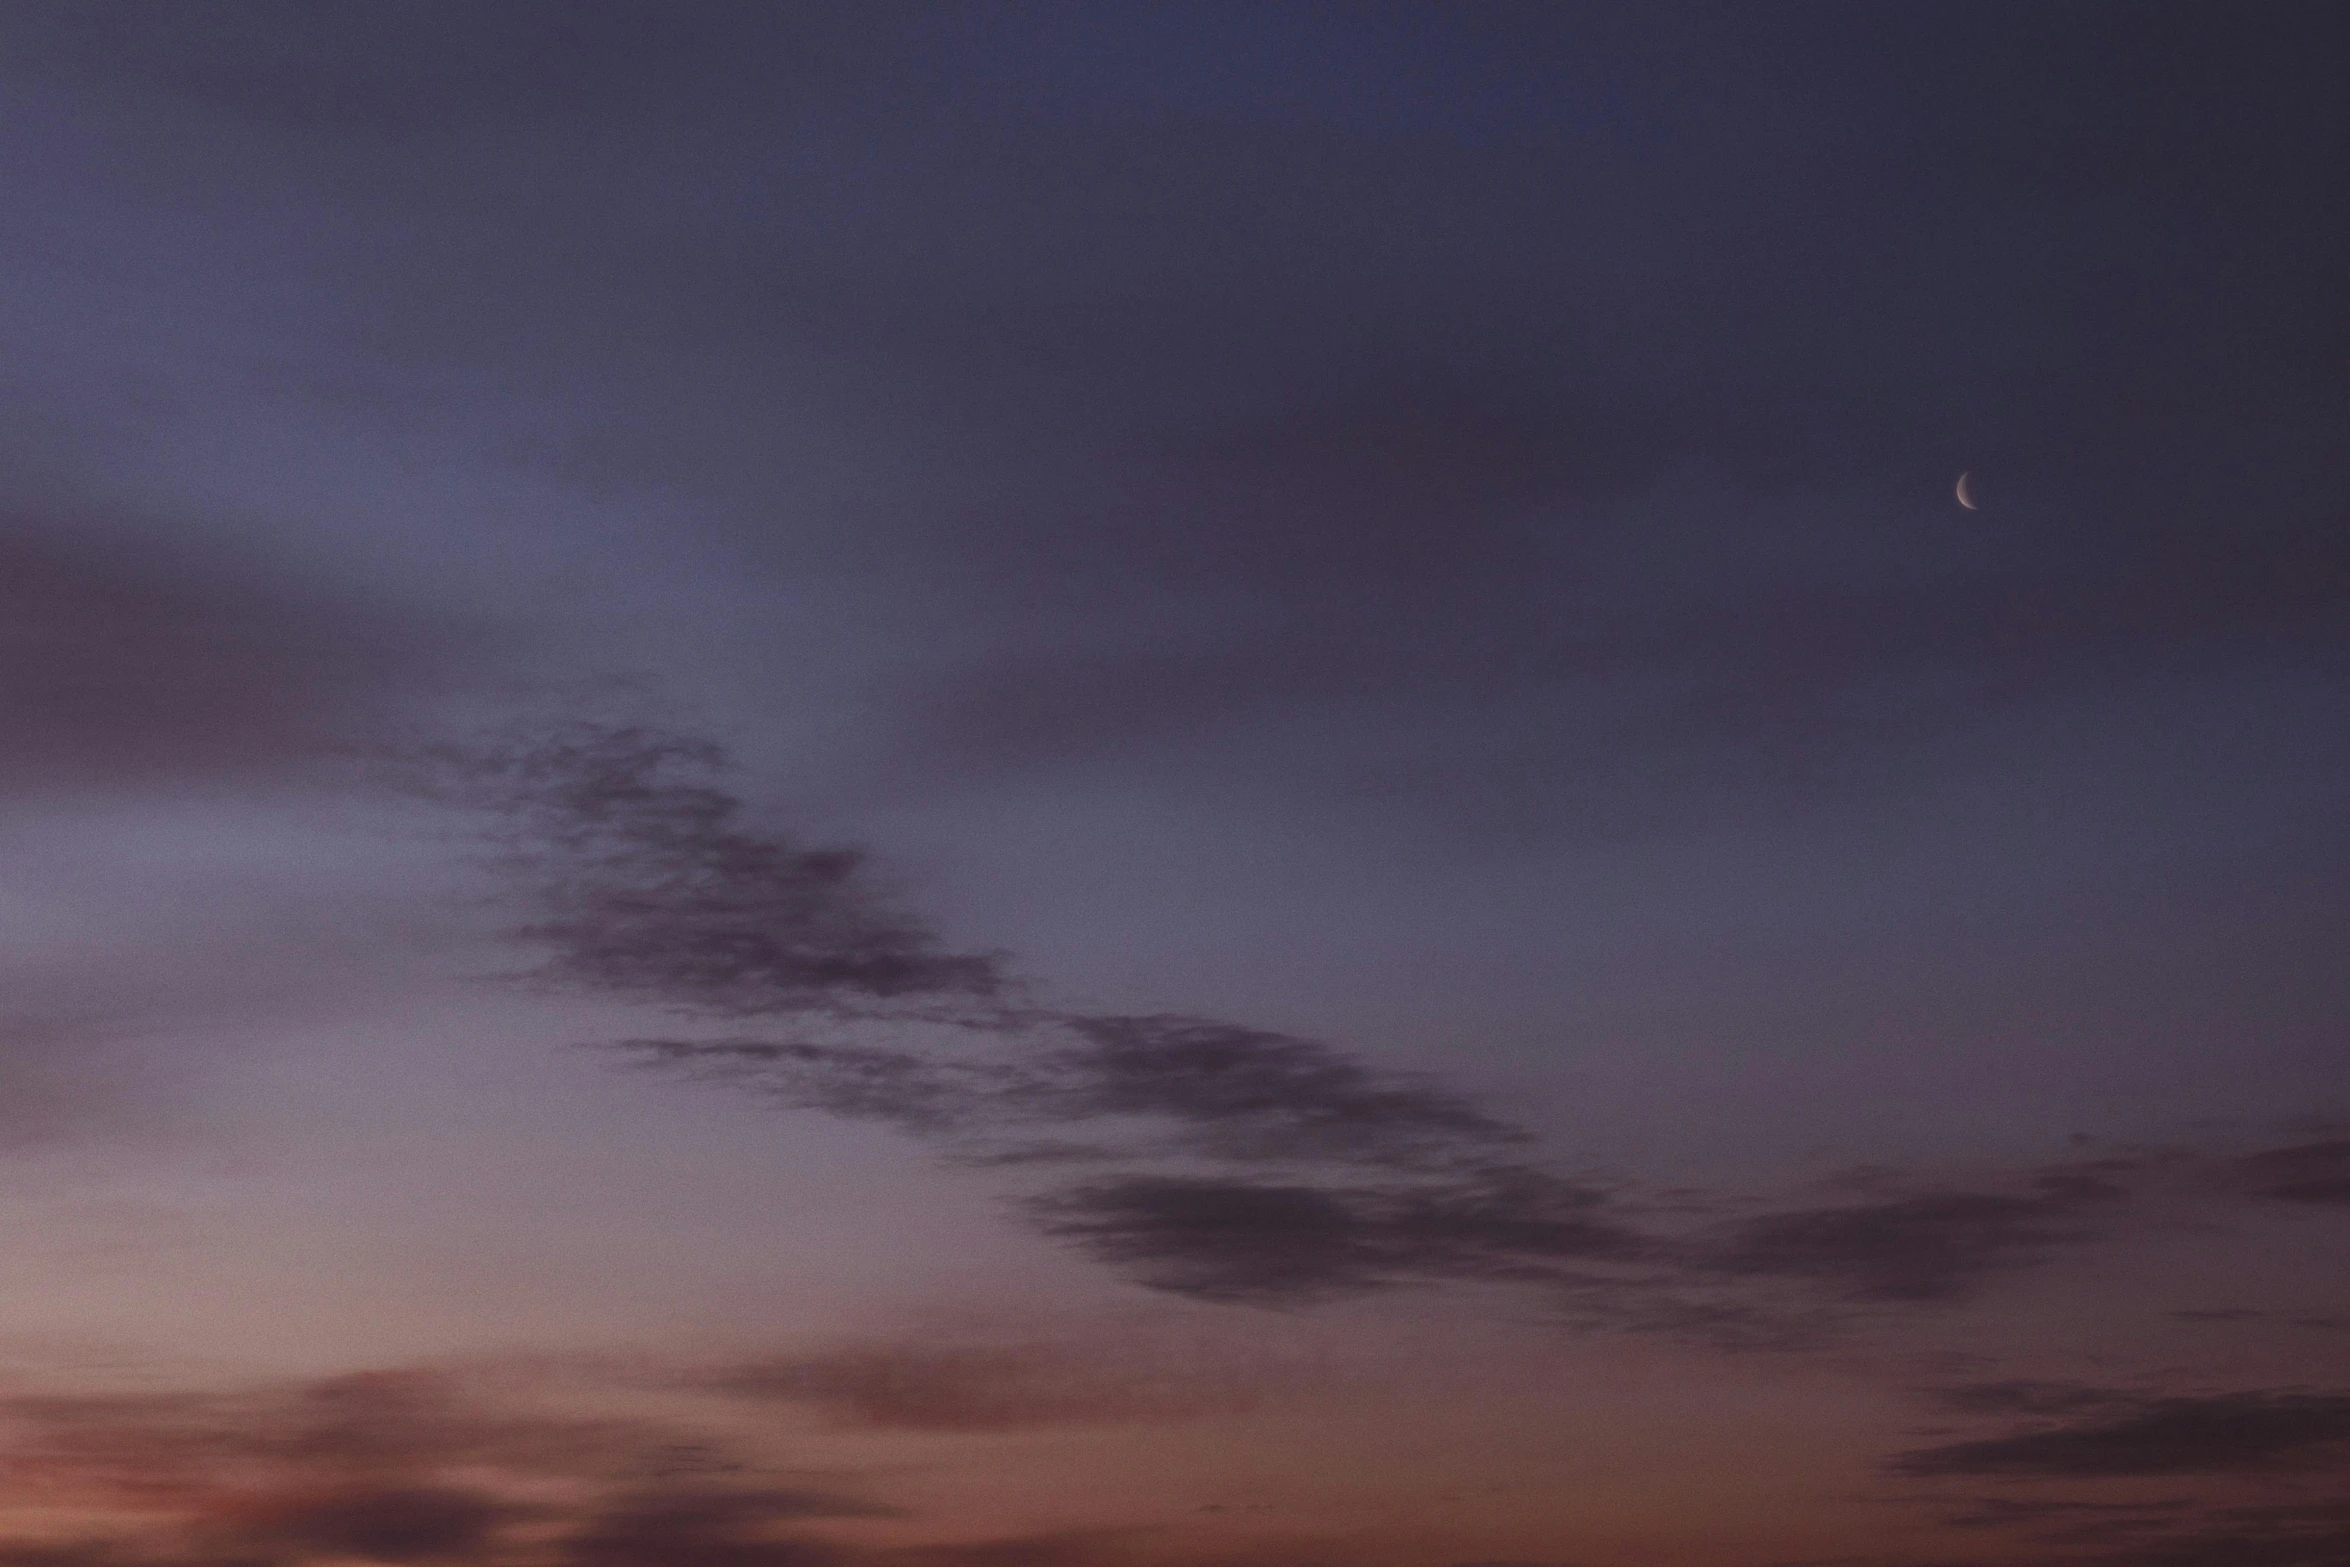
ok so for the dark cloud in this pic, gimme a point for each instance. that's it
(2229, 1433)
(646, 885)
(2305, 1535)
(2309, 1173)
(2176, 1531)
(1242, 1093)
(1188, 1084)
(2028, 1397)
(407, 1524)
(734, 1528)
(1241, 1240)
(1089, 1548)
(1921, 1247)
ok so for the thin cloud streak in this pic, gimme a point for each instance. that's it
(2136, 1435)
(1207, 1159)
(645, 886)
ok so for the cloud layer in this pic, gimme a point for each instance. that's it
(1197, 1156)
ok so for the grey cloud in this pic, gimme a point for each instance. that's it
(2028, 1397)
(2230, 1433)
(382, 1524)
(2311, 1535)
(1210, 1088)
(1923, 1247)
(916, 1093)
(2177, 1531)
(2308, 1173)
(1247, 1094)
(401, 1466)
(1256, 1241)
(645, 884)
(985, 1387)
(1223, 1162)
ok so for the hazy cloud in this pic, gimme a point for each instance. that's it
(400, 1466)
(123, 667)
(947, 1386)
(394, 1524)
(2288, 1535)
(2309, 1173)
(1927, 1246)
(732, 1528)
(2246, 1432)
(502, 1469)
(1241, 1240)
(1188, 1084)
(645, 884)
(1220, 1161)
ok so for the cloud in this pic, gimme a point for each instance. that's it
(731, 1528)
(2230, 1433)
(410, 1465)
(1219, 1161)
(2172, 1531)
(2308, 1173)
(1240, 1240)
(2257, 1536)
(1245, 1094)
(1924, 1247)
(1188, 1084)
(382, 1524)
(644, 884)
(510, 1466)
(952, 1387)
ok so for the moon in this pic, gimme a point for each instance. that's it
(1965, 496)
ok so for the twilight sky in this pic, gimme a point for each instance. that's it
(1174, 785)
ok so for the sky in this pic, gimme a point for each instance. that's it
(1174, 785)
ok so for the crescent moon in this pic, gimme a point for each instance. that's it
(1966, 497)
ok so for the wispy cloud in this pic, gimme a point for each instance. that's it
(950, 1386)
(1170, 1083)
(1268, 1242)
(1922, 1247)
(2306, 1173)
(1198, 1156)
(509, 1466)
(645, 884)
(2124, 1434)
